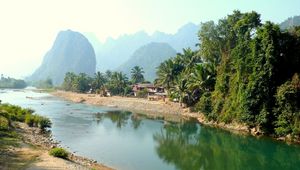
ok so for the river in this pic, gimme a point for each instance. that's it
(128, 141)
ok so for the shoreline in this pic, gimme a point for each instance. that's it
(154, 109)
(166, 110)
(41, 143)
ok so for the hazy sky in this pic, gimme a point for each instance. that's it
(29, 27)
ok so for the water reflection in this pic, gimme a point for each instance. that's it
(120, 118)
(188, 146)
(127, 140)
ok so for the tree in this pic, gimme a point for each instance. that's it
(118, 83)
(167, 72)
(98, 81)
(137, 74)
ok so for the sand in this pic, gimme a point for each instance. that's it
(127, 103)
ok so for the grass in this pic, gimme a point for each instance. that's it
(59, 152)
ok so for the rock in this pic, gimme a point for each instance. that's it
(71, 52)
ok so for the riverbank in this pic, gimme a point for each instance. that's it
(140, 105)
(162, 109)
(30, 152)
(154, 109)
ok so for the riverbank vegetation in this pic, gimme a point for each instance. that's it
(117, 83)
(10, 113)
(11, 153)
(245, 71)
(12, 83)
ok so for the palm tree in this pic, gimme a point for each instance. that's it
(166, 73)
(118, 83)
(137, 74)
(187, 59)
(180, 90)
(202, 78)
(98, 81)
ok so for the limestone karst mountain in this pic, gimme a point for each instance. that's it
(71, 52)
(149, 58)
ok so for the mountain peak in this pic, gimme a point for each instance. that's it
(71, 52)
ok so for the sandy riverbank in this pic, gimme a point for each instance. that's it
(166, 109)
(126, 103)
(31, 153)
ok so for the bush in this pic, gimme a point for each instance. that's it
(204, 104)
(4, 123)
(142, 93)
(29, 120)
(59, 152)
(44, 123)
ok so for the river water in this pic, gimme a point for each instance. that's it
(128, 141)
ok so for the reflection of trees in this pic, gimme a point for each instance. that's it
(136, 121)
(98, 117)
(190, 147)
(120, 118)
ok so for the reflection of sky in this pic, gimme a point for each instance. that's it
(75, 125)
(93, 132)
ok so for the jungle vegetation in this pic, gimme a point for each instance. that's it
(244, 71)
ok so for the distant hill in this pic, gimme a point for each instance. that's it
(290, 22)
(71, 52)
(114, 52)
(148, 57)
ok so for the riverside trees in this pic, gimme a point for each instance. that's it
(117, 83)
(244, 71)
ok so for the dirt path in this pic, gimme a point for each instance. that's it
(46, 162)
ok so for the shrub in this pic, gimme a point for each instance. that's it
(142, 93)
(29, 120)
(44, 123)
(59, 152)
(4, 123)
(288, 108)
(204, 104)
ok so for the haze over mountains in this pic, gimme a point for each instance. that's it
(290, 22)
(71, 52)
(148, 57)
(115, 52)
(74, 52)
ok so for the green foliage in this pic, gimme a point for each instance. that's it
(204, 104)
(16, 113)
(44, 84)
(77, 83)
(142, 93)
(115, 82)
(118, 83)
(242, 72)
(98, 82)
(288, 107)
(4, 123)
(12, 83)
(137, 75)
(59, 152)
(29, 120)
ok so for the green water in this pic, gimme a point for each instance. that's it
(124, 140)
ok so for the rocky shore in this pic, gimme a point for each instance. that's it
(43, 143)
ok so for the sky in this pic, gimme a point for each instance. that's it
(28, 28)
